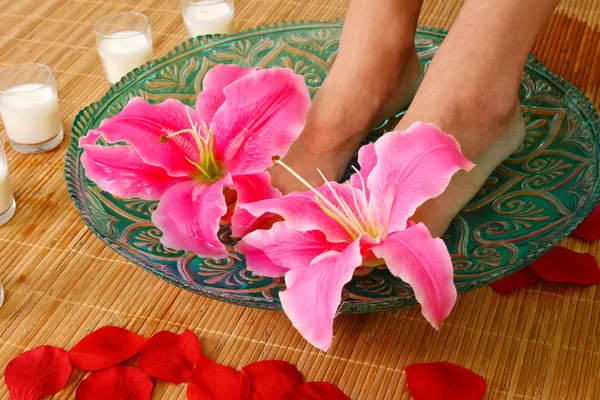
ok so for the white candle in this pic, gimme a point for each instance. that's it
(205, 19)
(122, 52)
(31, 114)
(6, 194)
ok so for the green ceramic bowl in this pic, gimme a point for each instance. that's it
(532, 201)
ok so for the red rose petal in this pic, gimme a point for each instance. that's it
(316, 391)
(169, 356)
(435, 381)
(118, 382)
(590, 227)
(270, 380)
(37, 373)
(518, 280)
(563, 265)
(105, 347)
(216, 382)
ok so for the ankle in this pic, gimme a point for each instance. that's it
(497, 109)
(476, 123)
(355, 98)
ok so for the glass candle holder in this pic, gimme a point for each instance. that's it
(29, 107)
(7, 200)
(206, 17)
(124, 42)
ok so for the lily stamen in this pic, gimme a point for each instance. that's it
(343, 205)
(363, 185)
(207, 164)
(355, 223)
(210, 146)
(304, 182)
(335, 213)
(202, 170)
(365, 222)
(336, 217)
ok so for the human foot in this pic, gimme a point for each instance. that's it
(348, 106)
(509, 133)
(376, 74)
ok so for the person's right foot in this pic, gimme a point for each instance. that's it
(352, 101)
(375, 75)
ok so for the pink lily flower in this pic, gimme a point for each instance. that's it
(191, 159)
(331, 231)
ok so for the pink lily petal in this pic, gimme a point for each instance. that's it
(367, 160)
(120, 171)
(215, 80)
(263, 113)
(258, 262)
(188, 216)
(424, 263)
(303, 212)
(250, 188)
(145, 127)
(275, 251)
(243, 222)
(91, 138)
(314, 293)
(412, 166)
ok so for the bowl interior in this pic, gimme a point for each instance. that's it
(530, 203)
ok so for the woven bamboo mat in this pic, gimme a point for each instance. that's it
(62, 282)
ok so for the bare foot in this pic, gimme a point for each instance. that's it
(470, 92)
(438, 213)
(375, 75)
(347, 107)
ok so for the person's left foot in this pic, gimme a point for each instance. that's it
(509, 132)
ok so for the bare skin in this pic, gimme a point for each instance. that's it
(353, 99)
(484, 53)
